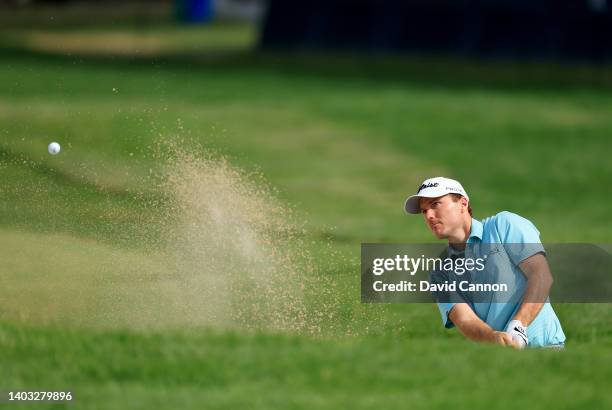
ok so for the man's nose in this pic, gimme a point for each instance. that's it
(429, 214)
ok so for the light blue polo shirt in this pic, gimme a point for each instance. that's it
(509, 228)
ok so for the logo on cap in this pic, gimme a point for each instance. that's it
(429, 185)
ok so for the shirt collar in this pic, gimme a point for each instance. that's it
(475, 231)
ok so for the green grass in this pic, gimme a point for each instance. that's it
(228, 370)
(343, 141)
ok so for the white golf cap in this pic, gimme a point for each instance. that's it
(433, 188)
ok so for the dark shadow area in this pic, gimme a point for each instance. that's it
(520, 29)
(88, 14)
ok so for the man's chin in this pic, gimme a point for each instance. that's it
(440, 235)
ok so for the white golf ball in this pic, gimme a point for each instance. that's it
(54, 148)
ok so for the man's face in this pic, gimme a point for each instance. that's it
(443, 215)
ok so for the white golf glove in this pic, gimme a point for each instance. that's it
(518, 332)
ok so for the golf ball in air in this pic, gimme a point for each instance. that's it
(54, 148)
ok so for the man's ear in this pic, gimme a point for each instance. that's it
(464, 202)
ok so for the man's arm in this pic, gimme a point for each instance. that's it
(539, 281)
(475, 329)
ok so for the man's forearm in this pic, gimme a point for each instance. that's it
(536, 291)
(527, 312)
(539, 282)
(477, 330)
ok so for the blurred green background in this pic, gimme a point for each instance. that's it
(343, 139)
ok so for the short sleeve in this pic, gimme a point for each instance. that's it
(520, 237)
(444, 300)
(445, 308)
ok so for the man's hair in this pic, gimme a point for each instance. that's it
(456, 198)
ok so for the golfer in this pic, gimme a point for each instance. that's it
(529, 319)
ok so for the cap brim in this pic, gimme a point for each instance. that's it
(411, 206)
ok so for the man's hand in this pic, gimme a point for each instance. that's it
(518, 332)
(475, 329)
(505, 339)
